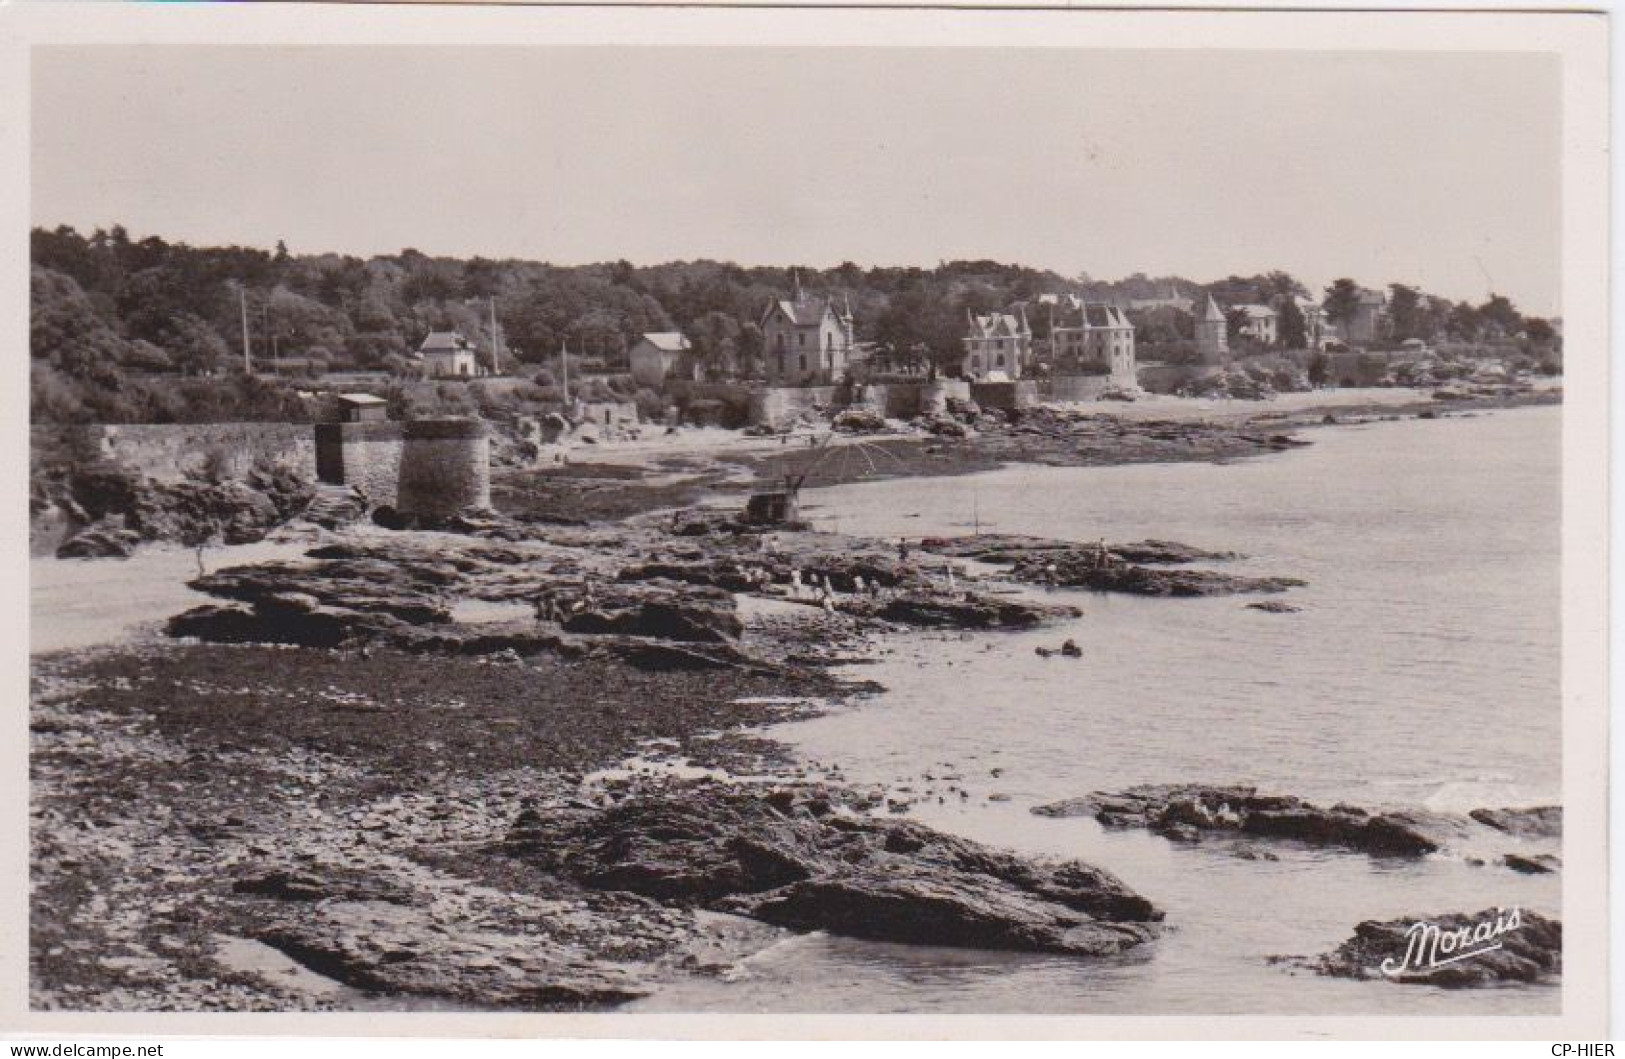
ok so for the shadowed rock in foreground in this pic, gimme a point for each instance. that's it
(1453, 951)
(1187, 811)
(801, 859)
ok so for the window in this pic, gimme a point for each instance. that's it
(804, 362)
(1001, 360)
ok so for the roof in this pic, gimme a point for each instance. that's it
(804, 311)
(667, 341)
(1257, 312)
(1211, 313)
(361, 399)
(443, 342)
(808, 312)
(994, 325)
(1098, 315)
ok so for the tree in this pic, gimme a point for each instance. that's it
(193, 346)
(1465, 322)
(1342, 303)
(1293, 330)
(715, 344)
(66, 331)
(1282, 288)
(1404, 311)
(1237, 323)
(1319, 368)
(1539, 331)
(1500, 314)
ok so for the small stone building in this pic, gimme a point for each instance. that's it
(447, 355)
(657, 356)
(361, 408)
(1212, 334)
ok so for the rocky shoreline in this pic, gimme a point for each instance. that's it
(366, 777)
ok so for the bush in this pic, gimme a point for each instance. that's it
(651, 406)
(216, 466)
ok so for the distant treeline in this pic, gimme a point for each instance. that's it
(126, 330)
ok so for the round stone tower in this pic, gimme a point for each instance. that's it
(445, 468)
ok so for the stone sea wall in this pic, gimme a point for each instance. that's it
(173, 451)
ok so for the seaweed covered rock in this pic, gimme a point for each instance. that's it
(802, 858)
(1187, 811)
(1010, 549)
(1076, 571)
(658, 609)
(968, 611)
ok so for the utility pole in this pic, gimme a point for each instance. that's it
(242, 301)
(564, 361)
(496, 356)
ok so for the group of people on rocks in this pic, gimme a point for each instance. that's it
(822, 590)
(552, 608)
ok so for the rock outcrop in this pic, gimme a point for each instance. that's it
(1188, 811)
(390, 947)
(1076, 571)
(1530, 948)
(966, 611)
(802, 858)
(1533, 863)
(107, 538)
(661, 610)
(1545, 821)
(1009, 549)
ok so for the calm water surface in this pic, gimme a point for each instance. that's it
(1423, 669)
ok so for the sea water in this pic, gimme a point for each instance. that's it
(1422, 669)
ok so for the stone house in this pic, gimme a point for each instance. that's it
(659, 355)
(998, 346)
(447, 355)
(1369, 322)
(807, 341)
(1314, 322)
(1262, 324)
(1099, 342)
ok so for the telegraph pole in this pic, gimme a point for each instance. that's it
(242, 301)
(496, 357)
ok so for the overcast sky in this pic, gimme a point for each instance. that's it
(1435, 169)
